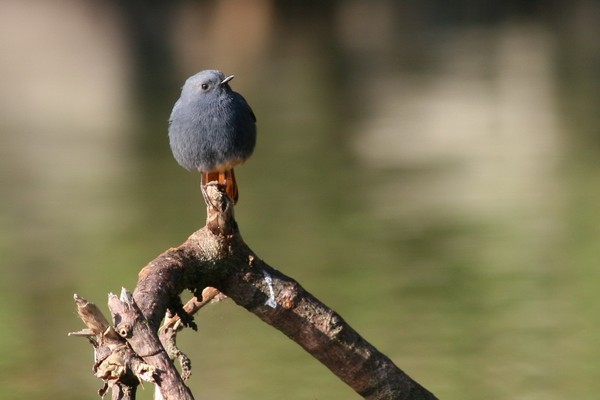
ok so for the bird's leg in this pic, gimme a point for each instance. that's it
(225, 181)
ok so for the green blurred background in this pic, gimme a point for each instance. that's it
(429, 169)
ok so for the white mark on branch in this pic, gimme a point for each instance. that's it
(271, 300)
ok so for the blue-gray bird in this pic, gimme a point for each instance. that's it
(212, 129)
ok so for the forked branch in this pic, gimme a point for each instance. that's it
(216, 256)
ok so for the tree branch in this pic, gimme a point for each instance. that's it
(216, 256)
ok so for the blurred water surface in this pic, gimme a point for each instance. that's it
(429, 171)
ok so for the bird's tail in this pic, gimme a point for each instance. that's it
(225, 178)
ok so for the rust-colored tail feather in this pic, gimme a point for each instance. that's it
(225, 178)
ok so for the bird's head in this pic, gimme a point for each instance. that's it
(206, 82)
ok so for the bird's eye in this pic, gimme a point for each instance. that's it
(204, 86)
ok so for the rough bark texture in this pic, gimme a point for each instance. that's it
(216, 256)
(143, 340)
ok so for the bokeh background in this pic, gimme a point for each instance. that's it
(429, 169)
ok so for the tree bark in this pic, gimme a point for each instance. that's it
(216, 256)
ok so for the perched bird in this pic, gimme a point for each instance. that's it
(212, 129)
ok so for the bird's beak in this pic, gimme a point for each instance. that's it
(224, 81)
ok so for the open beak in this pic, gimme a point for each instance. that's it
(224, 81)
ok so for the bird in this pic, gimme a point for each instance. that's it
(212, 129)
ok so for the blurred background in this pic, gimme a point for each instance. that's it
(429, 169)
